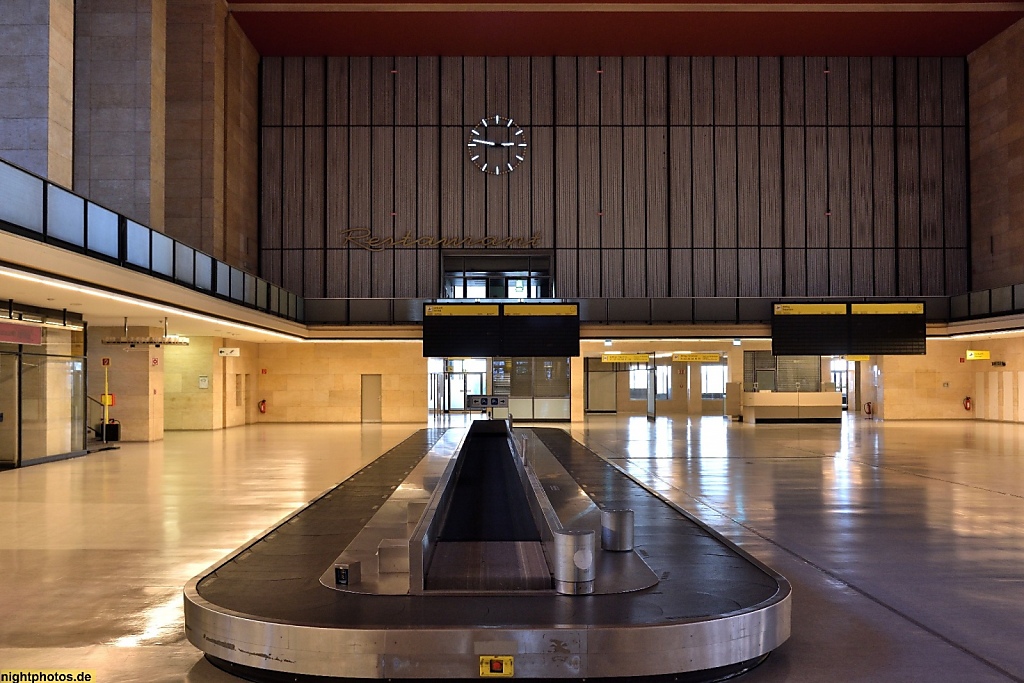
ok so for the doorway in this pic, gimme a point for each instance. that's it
(9, 409)
(371, 398)
(452, 380)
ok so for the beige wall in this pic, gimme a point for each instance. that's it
(997, 160)
(136, 380)
(222, 402)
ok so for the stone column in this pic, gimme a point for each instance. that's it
(136, 377)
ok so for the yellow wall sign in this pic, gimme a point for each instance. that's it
(625, 358)
(978, 355)
(541, 309)
(497, 666)
(461, 309)
(856, 357)
(696, 357)
(887, 309)
(810, 309)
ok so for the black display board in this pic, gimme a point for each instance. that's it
(510, 330)
(887, 329)
(810, 330)
(470, 330)
(848, 329)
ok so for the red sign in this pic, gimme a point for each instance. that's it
(21, 334)
(105, 361)
(263, 371)
(156, 362)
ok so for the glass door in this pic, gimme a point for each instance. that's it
(8, 409)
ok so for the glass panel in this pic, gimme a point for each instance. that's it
(101, 231)
(250, 290)
(457, 391)
(261, 294)
(9, 408)
(223, 279)
(551, 378)
(283, 305)
(163, 254)
(638, 382)
(300, 306)
(53, 397)
(475, 365)
(21, 198)
(275, 299)
(65, 216)
(138, 244)
(237, 285)
(712, 381)
(797, 373)
(293, 301)
(184, 263)
(204, 271)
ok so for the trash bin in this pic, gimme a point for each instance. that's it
(113, 431)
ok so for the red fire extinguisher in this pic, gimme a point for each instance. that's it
(967, 403)
(262, 405)
(868, 408)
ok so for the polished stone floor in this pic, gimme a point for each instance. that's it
(904, 541)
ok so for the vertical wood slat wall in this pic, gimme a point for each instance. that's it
(645, 176)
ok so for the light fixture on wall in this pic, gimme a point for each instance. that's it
(607, 342)
(736, 342)
(132, 342)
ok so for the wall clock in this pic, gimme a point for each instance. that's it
(497, 145)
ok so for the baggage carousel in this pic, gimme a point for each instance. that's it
(488, 552)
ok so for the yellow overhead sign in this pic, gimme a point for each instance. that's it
(810, 309)
(696, 357)
(625, 358)
(461, 309)
(541, 309)
(857, 357)
(887, 309)
(978, 355)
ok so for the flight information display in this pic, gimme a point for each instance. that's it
(848, 329)
(511, 330)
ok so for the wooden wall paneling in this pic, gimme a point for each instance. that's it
(954, 71)
(634, 273)
(382, 198)
(313, 273)
(793, 91)
(611, 187)
(474, 199)
(933, 272)
(565, 91)
(360, 91)
(519, 90)
(862, 275)
(657, 272)
(542, 86)
(272, 94)
(360, 274)
(589, 273)
(496, 220)
(359, 160)
(588, 104)
(451, 92)
(747, 90)
(428, 273)
(882, 113)
(906, 89)
(588, 189)
(726, 227)
(908, 188)
(679, 91)
(656, 187)
(769, 91)
(885, 272)
(815, 89)
(770, 180)
(794, 188)
(909, 269)
(382, 102)
(338, 274)
(726, 276)
(291, 271)
(861, 188)
(337, 186)
(771, 273)
(474, 90)
(454, 163)
(520, 200)
(656, 91)
(816, 204)
(725, 91)
(428, 90)
(954, 195)
(566, 273)
(294, 98)
(612, 275)
(634, 187)
(839, 187)
(703, 272)
(566, 188)
(315, 83)
(541, 164)
(795, 272)
(611, 91)
(703, 158)
(839, 276)
(314, 187)
(931, 186)
(406, 279)
(497, 86)
(860, 91)
(634, 80)
(292, 196)
(270, 266)
(748, 214)
(271, 188)
(837, 90)
(957, 271)
(406, 86)
(680, 192)
(337, 91)
(680, 271)
(407, 175)
(929, 70)
(702, 87)
(749, 272)
(428, 181)
(883, 146)
(817, 272)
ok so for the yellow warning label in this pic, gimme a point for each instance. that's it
(496, 666)
(810, 309)
(857, 357)
(887, 309)
(696, 357)
(974, 354)
(541, 309)
(625, 357)
(461, 309)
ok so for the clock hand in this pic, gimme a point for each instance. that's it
(490, 143)
(507, 144)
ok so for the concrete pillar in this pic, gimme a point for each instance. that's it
(578, 400)
(695, 405)
(36, 86)
(136, 380)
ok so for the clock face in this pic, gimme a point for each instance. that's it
(496, 145)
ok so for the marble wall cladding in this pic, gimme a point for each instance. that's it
(61, 92)
(25, 84)
(207, 391)
(136, 378)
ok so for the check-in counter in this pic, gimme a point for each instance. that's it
(792, 406)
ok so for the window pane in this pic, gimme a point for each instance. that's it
(21, 198)
(163, 254)
(223, 279)
(65, 218)
(101, 231)
(138, 244)
(184, 263)
(204, 271)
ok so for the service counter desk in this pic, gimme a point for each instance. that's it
(792, 406)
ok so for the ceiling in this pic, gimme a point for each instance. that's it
(294, 28)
